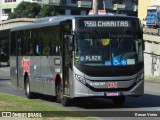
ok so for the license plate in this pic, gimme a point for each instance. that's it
(112, 94)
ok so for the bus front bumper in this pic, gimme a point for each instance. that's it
(135, 91)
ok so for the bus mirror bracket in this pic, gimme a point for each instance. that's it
(71, 42)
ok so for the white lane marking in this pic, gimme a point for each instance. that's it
(4, 69)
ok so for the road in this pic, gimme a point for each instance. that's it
(149, 102)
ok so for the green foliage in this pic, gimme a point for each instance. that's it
(26, 10)
(19, 104)
(47, 10)
(32, 10)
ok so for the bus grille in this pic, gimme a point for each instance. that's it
(110, 73)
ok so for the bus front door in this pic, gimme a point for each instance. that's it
(65, 67)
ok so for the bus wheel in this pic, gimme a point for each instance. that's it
(65, 101)
(119, 101)
(28, 91)
(58, 93)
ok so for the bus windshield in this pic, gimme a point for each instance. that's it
(108, 48)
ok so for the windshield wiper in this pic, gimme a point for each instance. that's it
(97, 37)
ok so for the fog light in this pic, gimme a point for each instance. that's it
(140, 77)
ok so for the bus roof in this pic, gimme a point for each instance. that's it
(56, 20)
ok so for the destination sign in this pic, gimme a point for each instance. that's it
(99, 23)
(91, 58)
(107, 22)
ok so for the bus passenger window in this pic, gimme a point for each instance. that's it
(37, 49)
(55, 50)
(46, 51)
(31, 50)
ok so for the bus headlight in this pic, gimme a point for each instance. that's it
(140, 77)
(80, 79)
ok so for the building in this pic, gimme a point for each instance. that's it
(7, 6)
(155, 2)
(75, 7)
(71, 7)
(129, 7)
(142, 8)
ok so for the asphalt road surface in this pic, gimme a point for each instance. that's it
(149, 102)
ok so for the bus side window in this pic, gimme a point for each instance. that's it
(55, 49)
(31, 49)
(46, 50)
(37, 49)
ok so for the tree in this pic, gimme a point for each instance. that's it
(47, 10)
(25, 10)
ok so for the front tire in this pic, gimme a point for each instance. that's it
(65, 101)
(58, 93)
(28, 92)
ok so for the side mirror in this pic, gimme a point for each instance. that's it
(71, 42)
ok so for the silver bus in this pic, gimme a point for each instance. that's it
(79, 57)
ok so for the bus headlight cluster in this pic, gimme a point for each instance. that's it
(140, 77)
(80, 78)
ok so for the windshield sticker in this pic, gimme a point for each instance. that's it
(121, 36)
(123, 62)
(105, 42)
(131, 61)
(107, 63)
(82, 58)
(116, 61)
(92, 58)
(77, 58)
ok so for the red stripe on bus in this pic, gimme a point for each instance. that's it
(54, 79)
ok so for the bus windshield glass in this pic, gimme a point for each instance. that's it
(108, 48)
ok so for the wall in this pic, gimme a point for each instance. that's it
(142, 8)
(155, 2)
(152, 56)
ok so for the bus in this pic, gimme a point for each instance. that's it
(73, 57)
